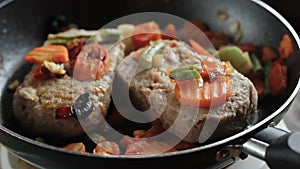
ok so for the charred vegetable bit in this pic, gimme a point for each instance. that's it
(64, 38)
(63, 113)
(185, 73)
(83, 106)
(74, 47)
(147, 56)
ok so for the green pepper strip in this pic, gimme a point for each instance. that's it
(185, 73)
(147, 56)
(268, 67)
(258, 70)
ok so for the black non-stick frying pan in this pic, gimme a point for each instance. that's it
(23, 26)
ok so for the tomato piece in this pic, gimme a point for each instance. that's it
(278, 78)
(144, 33)
(51, 53)
(78, 147)
(107, 148)
(148, 148)
(286, 47)
(214, 93)
(91, 63)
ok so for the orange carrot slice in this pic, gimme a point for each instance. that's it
(52, 53)
(208, 94)
(198, 48)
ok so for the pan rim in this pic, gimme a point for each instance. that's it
(196, 149)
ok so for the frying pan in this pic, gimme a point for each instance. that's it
(24, 26)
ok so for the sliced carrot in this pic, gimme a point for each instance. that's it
(210, 94)
(268, 54)
(286, 47)
(169, 32)
(78, 147)
(278, 78)
(107, 148)
(198, 48)
(52, 53)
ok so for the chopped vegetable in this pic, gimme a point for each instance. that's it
(247, 47)
(83, 106)
(78, 147)
(66, 37)
(211, 69)
(144, 33)
(14, 85)
(267, 89)
(268, 54)
(185, 73)
(127, 32)
(198, 48)
(38, 73)
(240, 60)
(278, 78)
(147, 56)
(52, 53)
(56, 69)
(286, 47)
(258, 70)
(208, 94)
(29, 93)
(222, 15)
(110, 35)
(218, 39)
(74, 47)
(91, 63)
(169, 32)
(107, 148)
(72, 34)
(148, 148)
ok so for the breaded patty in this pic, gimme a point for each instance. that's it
(36, 101)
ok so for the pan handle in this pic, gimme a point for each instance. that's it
(277, 147)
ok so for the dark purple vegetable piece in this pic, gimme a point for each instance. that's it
(83, 106)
